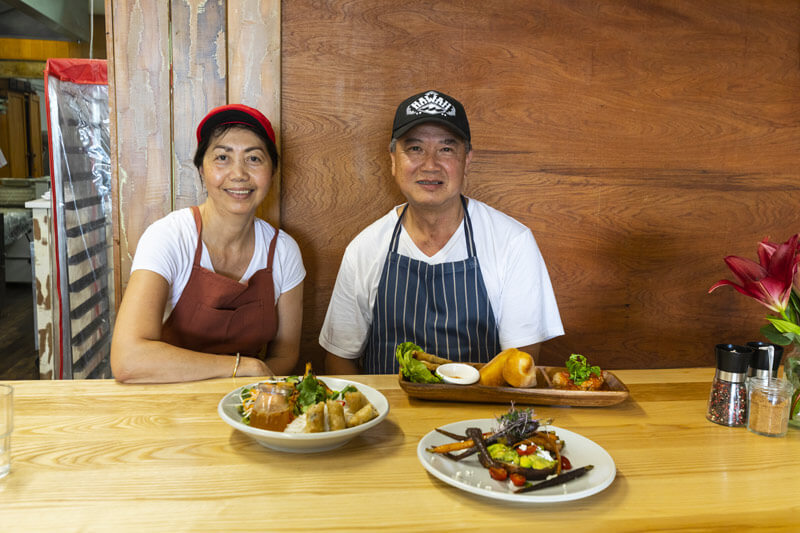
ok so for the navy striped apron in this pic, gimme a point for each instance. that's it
(442, 308)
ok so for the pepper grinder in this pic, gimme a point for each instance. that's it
(759, 363)
(727, 402)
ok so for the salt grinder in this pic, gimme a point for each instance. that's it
(727, 402)
(759, 363)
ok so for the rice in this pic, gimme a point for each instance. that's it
(298, 425)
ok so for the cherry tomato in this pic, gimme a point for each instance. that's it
(498, 473)
(531, 449)
(565, 464)
(518, 479)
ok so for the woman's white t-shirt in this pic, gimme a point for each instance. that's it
(168, 245)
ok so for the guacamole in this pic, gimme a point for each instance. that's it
(539, 459)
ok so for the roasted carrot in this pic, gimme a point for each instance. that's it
(452, 446)
(557, 480)
(453, 436)
(462, 442)
(552, 438)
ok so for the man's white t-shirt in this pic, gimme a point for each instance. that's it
(512, 266)
(168, 245)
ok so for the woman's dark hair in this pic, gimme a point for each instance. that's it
(202, 146)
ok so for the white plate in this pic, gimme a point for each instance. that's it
(469, 475)
(304, 442)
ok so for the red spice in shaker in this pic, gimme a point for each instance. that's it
(727, 403)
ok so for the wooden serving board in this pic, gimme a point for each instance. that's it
(542, 394)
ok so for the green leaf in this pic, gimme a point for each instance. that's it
(335, 395)
(776, 337)
(579, 368)
(784, 326)
(310, 392)
(795, 404)
(412, 368)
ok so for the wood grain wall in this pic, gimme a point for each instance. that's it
(170, 63)
(641, 141)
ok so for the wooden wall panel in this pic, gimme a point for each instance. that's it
(641, 141)
(171, 62)
(254, 75)
(199, 66)
(139, 91)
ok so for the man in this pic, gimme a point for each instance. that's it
(450, 274)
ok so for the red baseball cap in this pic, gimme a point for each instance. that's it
(234, 114)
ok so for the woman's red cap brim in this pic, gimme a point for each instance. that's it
(234, 114)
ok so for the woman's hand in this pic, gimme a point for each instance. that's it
(252, 366)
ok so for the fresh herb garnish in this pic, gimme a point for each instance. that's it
(335, 395)
(517, 424)
(579, 369)
(310, 392)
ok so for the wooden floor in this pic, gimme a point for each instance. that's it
(18, 357)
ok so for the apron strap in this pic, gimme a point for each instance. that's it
(468, 234)
(198, 221)
(272, 244)
(396, 233)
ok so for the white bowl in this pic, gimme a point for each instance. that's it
(304, 442)
(458, 373)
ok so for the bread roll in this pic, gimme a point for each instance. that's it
(519, 370)
(492, 372)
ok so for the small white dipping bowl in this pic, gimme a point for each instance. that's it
(458, 373)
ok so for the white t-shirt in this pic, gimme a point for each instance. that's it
(168, 245)
(512, 266)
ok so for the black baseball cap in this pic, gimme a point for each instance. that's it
(431, 106)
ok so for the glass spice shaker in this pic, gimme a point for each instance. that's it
(768, 406)
(727, 402)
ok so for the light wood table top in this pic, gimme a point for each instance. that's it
(100, 456)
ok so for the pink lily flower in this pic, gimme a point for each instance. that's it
(770, 280)
(766, 249)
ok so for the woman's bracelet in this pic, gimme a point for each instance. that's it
(236, 364)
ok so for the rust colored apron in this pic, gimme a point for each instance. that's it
(219, 315)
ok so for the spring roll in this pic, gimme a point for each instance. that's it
(315, 418)
(355, 401)
(430, 358)
(365, 414)
(335, 415)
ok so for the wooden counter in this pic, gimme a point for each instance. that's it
(101, 456)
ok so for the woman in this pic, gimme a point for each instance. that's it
(214, 291)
